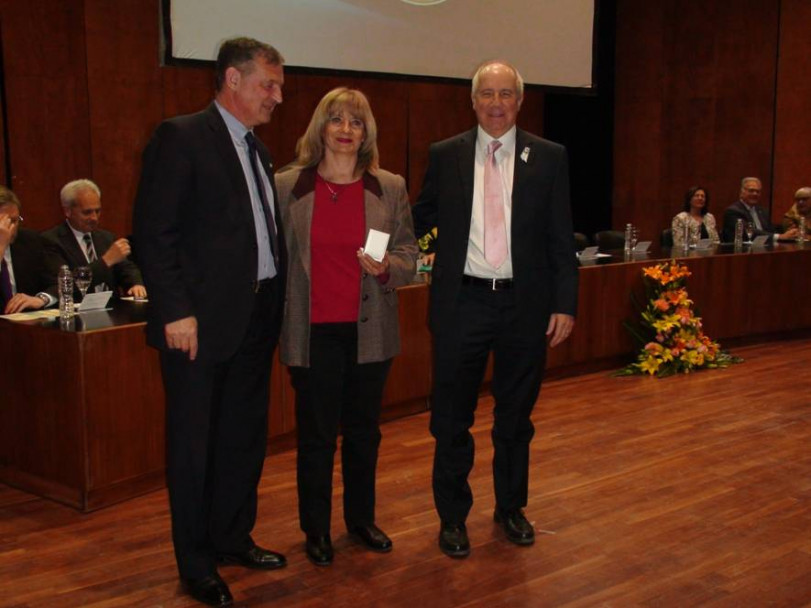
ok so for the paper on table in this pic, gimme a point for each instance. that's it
(376, 243)
(592, 253)
(32, 314)
(95, 301)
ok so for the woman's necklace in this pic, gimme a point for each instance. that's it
(334, 193)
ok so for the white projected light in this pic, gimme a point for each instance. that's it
(550, 41)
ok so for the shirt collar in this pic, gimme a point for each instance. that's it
(235, 127)
(507, 140)
(77, 233)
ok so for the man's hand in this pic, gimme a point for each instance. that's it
(182, 335)
(137, 291)
(791, 233)
(118, 252)
(560, 327)
(372, 267)
(21, 301)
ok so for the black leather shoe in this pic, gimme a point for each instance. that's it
(319, 549)
(373, 537)
(516, 526)
(210, 590)
(453, 540)
(256, 558)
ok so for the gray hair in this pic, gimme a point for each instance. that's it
(519, 81)
(751, 179)
(71, 190)
(804, 192)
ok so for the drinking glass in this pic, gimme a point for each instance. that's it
(750, 232)
(82, 276)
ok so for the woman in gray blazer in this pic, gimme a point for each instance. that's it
(340, 328)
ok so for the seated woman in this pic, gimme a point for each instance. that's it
(695, 219)
(800, 208)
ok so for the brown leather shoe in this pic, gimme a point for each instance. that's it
(210, 590)
(515, 525)
(256, 558)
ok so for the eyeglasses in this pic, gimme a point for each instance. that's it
(356, 124)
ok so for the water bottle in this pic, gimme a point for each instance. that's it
(629, 235)
(801, 227)
(738, 233)
(686, 236)
(65, 282)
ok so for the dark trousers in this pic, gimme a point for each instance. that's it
(485, 321)
(336, 391)
(216, 423)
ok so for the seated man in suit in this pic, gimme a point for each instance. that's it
(747, 209)
(79, 242)
(24, 280)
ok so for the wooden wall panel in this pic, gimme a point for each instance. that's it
(124, 83)
(792, 146)
(694, 104)
(638, 109)
(48, 130)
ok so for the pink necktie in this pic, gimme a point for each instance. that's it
(495, 231)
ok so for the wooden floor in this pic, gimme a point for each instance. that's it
(688, 491)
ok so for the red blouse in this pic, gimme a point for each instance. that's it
(336, 233)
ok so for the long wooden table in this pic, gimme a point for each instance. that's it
(83, 410)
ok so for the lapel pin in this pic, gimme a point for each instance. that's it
(525, 154)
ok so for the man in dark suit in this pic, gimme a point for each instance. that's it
(78, 241)
(212, 252)
(504, 279)
(24, 280)
(746, 208)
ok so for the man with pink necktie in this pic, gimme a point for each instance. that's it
(504, 281)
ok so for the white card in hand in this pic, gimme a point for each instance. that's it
(376, 244)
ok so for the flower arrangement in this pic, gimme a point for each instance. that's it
(670, 334)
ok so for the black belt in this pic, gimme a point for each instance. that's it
(261, 285)
(491, 284)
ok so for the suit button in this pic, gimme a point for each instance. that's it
(364, 319)
(365, 297)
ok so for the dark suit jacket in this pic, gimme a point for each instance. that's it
(28, 260)
(545, 269)
(195, 232)
(738, 210)
(61, 248)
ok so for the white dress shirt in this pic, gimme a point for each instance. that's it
(476, 265)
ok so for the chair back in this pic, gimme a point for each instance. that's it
(609, 239)
(581, 241)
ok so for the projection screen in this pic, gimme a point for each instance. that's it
(550, 41)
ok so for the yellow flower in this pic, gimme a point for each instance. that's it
(650, 365)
